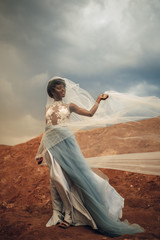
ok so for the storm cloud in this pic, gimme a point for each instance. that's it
(105, 44)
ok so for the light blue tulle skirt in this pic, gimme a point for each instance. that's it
(69, 156)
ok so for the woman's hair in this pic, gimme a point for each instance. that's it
(52, 84)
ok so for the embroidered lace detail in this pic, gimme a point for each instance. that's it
(58, 113)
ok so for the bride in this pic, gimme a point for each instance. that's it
(79, 196)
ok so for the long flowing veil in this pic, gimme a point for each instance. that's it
(119, 108)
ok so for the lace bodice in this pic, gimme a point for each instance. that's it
(58, 113)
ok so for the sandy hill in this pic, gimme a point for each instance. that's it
(25, 205)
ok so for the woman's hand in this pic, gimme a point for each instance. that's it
(39, 160)
(102, 96)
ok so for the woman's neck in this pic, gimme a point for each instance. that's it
(57, 99)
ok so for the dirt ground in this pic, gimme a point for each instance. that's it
(25, 202)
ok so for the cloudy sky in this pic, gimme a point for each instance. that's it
(100, 44)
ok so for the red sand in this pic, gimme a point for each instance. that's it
(25, 205)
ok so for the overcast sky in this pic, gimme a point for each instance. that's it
(100, 44)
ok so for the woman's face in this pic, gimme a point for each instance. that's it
(59, 91)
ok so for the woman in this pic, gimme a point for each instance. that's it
(79, 196)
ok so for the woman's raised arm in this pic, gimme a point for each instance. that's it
(91, 112)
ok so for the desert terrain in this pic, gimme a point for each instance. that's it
(25, 202)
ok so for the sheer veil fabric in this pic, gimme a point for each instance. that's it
(118, 108)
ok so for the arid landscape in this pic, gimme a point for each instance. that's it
(25, 203)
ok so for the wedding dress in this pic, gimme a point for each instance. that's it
(79, 196)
